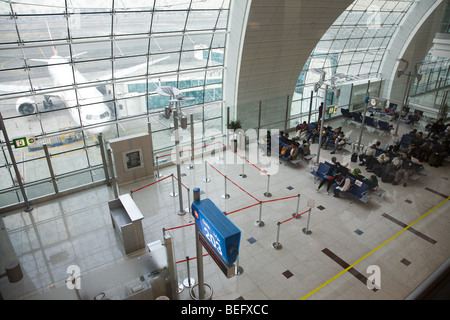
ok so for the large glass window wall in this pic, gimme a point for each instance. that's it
(72, 69)
(350, 52)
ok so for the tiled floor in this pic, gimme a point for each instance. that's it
(345, 233)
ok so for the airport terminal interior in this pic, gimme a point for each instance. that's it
(122, 121)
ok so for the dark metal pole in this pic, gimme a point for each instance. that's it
(177, 150)
(324, 110)
(364, 115)
(28, 206)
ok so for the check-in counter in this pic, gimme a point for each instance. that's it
(127, 220)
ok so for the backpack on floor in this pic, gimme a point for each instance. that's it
(435, 160)
(387, 177)
(378, 170)
(354, 157)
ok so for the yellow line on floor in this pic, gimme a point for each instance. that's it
(368, 254)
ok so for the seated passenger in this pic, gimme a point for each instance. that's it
(372, 182)
(285, 138)
(301, 129)
(396, 164)
(339, 143)
(383, 158)
(291, 152)
(329, 178)
(304, 148)
(369, 153)
(343, 185)
(314, 134)
(405, 171)
(357, 174)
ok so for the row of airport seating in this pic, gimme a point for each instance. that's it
(356, 117)
(278, 145)
(358, 189)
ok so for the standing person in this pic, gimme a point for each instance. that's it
(320, 112)
(268, 143)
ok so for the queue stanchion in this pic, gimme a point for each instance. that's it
(277, 245)
(307, 230)
(295, 214)
(238, 269)
(188, 282)
(188, 209)
(173, 193)
(259, 222)
(206, 179)
(158, 175)
(243, 175)
(267, 193)
(225, 195)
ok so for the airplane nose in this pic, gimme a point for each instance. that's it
(95, 131)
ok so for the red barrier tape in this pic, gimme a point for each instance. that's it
(252, 205)
(185, 225)
(132, 191)
(294, 216)
(232, 181)
(280, 199)
(263, 171)
(206, 254)
(181, 183)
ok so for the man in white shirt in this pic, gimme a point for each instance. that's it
(395, 164)
(370, 153)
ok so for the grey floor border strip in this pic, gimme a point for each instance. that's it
(436, 192)
(404, 225)
(345, 265)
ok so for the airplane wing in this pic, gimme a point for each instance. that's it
(127, 71)
(118, 74)
(14, 88)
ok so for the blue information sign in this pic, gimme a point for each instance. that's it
(223, 236)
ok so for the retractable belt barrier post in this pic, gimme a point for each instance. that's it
(243, 175)
(188, 209)
(225, 195)
(277, 245)
(206, 173)
(295, 214)
(260, 223)
(267, 193)
(307, 230)
(188, 282)
(173, 193)
(238, 270)
(157, 175)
